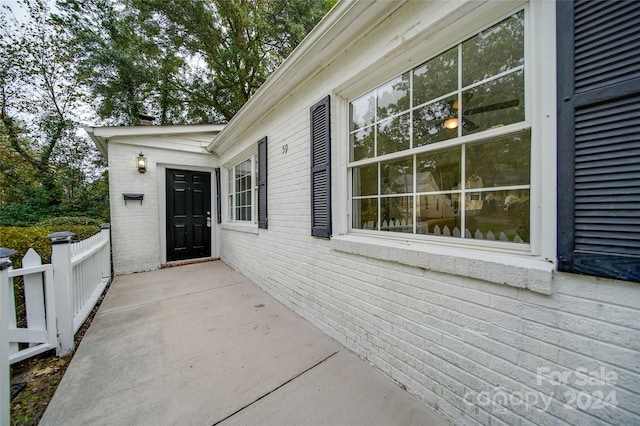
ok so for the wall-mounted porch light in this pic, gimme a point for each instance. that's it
(142, 163)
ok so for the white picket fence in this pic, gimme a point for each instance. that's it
(58, 299)
(91, 265)
(39, 300)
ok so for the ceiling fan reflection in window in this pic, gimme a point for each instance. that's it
(453, 122)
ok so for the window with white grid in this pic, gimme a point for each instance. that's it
(445, 149)
(241, 192)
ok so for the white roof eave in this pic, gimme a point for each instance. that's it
(101, 135)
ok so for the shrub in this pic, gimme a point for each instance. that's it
(22, 239)
(69, 221)
(22, 214)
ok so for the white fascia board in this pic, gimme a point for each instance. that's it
(100, 142)
(341, 27)
(123, 131)
(102, 135)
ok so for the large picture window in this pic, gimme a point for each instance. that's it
(241, 191)
(444, 149)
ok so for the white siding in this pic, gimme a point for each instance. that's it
(446, 337)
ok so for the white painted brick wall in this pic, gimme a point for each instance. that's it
(445, 337)
(136, 228)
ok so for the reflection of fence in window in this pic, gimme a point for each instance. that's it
(397, 225)
(406, 226)
(477, 235)
(396, 210)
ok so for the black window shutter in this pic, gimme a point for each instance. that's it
(599, 138)
(321, 169)
(262, 183)
(218, 197)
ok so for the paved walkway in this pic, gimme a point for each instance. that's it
(201, 345)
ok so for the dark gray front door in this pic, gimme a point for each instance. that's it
(188, 214)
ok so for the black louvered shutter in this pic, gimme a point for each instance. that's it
(321, 169)
(599, 138)
(218, 197)
(262, 183)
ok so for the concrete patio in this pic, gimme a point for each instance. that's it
(200, 344)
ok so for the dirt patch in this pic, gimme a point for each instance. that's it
(42, 374)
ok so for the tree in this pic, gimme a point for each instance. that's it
(39, 109)
(190, 61)
(125, 60)
(241, 42)
(37, 98)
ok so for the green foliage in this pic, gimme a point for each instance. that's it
(38, 99)
(21, 214)
(33, 213)
(70, 221)
(122, 58)
(188, 61)
(46, 169)
(32, 205)
(22, 239)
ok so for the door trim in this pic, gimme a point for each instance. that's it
(161, 170)
(188, 214)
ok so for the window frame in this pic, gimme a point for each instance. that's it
(460, 141)
(232, 195)
(540, 117)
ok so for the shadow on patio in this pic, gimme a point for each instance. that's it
(200, 344)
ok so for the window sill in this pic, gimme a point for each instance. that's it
(531, 273)
(249, 228)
